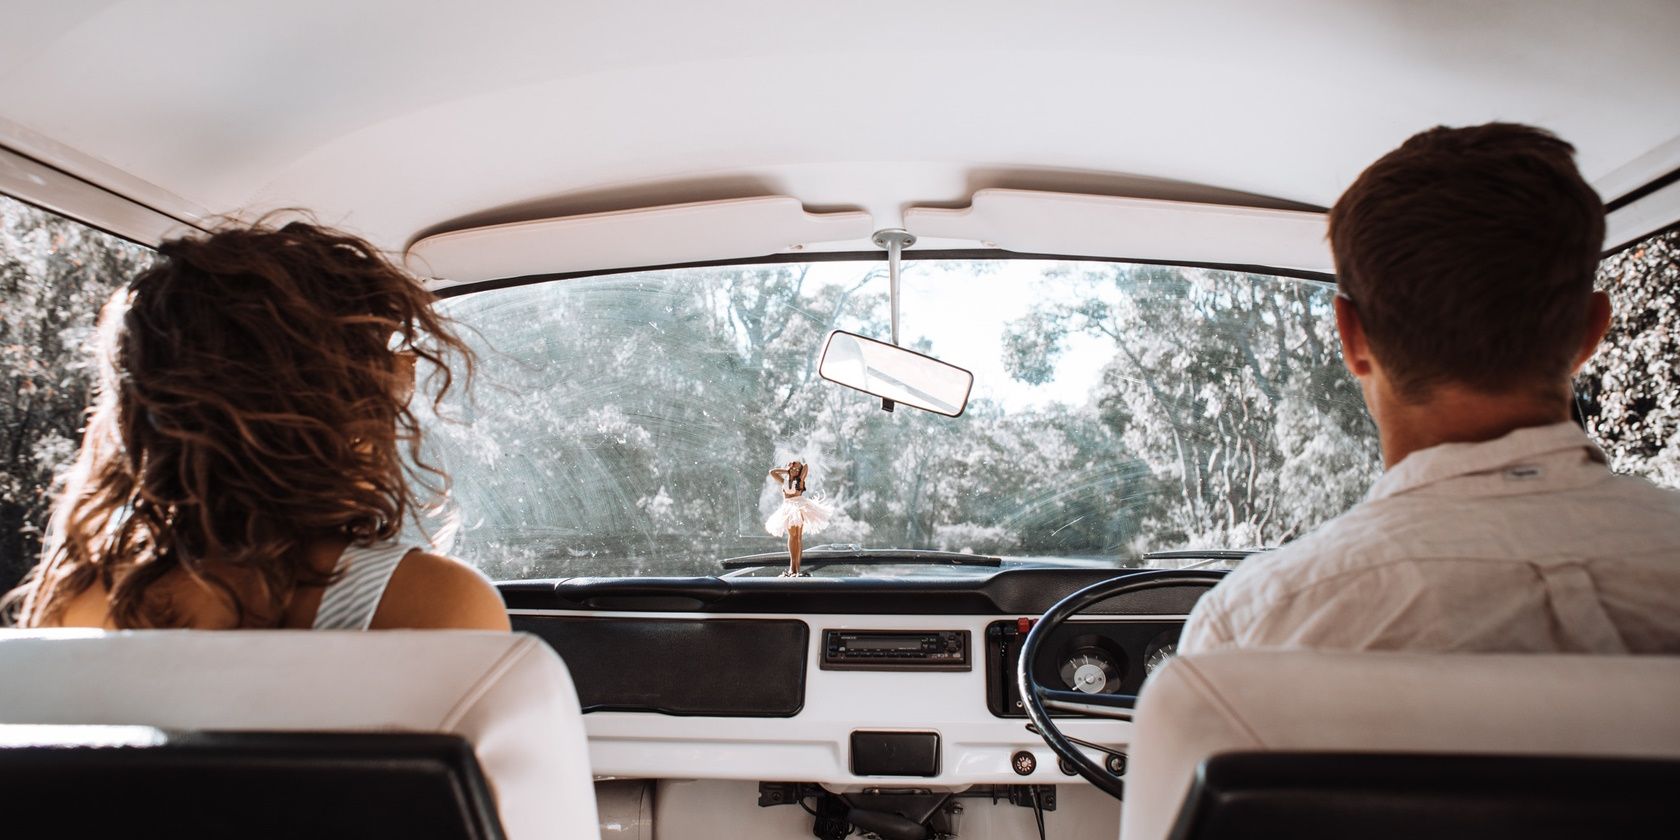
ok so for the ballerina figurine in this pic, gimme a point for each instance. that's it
(797, 515)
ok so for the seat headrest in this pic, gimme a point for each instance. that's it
(508, 695)
(1567, 704)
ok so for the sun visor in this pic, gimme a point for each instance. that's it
(1650, 211)
(669, 235)
(1032, 222)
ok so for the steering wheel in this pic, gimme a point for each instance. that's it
(1038, 699)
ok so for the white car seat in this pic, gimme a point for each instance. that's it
(1294, 701)
(508, 695)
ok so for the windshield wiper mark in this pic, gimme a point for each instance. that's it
(1070, 523)
(864, 557)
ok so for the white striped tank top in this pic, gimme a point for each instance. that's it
(364, 570)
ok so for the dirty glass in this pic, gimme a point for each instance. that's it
(624, 425)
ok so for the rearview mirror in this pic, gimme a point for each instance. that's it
(895, 374)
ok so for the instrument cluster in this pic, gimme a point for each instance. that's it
(1106, 656)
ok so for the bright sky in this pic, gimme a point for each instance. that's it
(964, 314)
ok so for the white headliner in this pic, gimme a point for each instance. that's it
(399, 122)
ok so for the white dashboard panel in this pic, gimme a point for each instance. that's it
(812, 746)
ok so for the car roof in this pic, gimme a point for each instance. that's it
(405, 120)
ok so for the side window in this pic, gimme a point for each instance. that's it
(1630, 391)
(55, 274)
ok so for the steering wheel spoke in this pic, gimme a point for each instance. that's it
(1039, 699)
(1090, 745)
(1112, 706)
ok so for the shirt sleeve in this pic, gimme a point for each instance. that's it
(1207, 628)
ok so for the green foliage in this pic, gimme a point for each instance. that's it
(1228, 388)
(628, 420)
(1032, 345)
(1631, 390)
(55, 275)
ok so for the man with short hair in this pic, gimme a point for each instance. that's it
(1466, 260)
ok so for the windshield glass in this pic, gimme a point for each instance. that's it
(624, 424)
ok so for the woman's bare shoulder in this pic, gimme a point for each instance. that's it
(431, 591)
(89, 608)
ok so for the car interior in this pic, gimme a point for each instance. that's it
(914, 244)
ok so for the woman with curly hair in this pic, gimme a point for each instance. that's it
(243, 464)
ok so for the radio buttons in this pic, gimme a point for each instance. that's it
(896, 650)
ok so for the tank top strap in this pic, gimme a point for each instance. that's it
(363, 572)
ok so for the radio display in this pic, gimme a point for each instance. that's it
(887, 643)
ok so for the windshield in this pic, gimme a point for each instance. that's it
(624, 424)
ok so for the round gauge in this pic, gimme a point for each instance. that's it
(1091, 670)
(1159, 657)
(1161, 649)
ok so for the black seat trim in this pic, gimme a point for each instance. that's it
(1377, 796)
(246, 784)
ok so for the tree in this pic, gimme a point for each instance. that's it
(1227, 386)
(55, 274)
(632, 417)
(1630, 391)
(625, 422)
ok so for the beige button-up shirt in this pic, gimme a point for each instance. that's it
(1525, 543)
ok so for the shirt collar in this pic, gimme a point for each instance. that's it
(1452, 460)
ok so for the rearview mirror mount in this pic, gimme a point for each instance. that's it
(895, 374)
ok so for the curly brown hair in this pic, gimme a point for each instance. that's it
(252, 399)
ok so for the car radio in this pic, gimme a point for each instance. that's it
(895, 650)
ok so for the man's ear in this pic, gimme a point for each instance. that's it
(1598, 323)
(1356, 350)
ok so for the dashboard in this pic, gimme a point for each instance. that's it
(687, 678)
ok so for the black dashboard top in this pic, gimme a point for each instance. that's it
(1009, 592)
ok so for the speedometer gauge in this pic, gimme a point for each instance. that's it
(1090, 670)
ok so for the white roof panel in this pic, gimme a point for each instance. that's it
(403, 119)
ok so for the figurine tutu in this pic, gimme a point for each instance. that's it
(797, 514)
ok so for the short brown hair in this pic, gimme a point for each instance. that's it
(1469, 254)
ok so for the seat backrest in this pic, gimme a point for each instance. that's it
(1316, 701)
(156, 783)
(508, 695)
